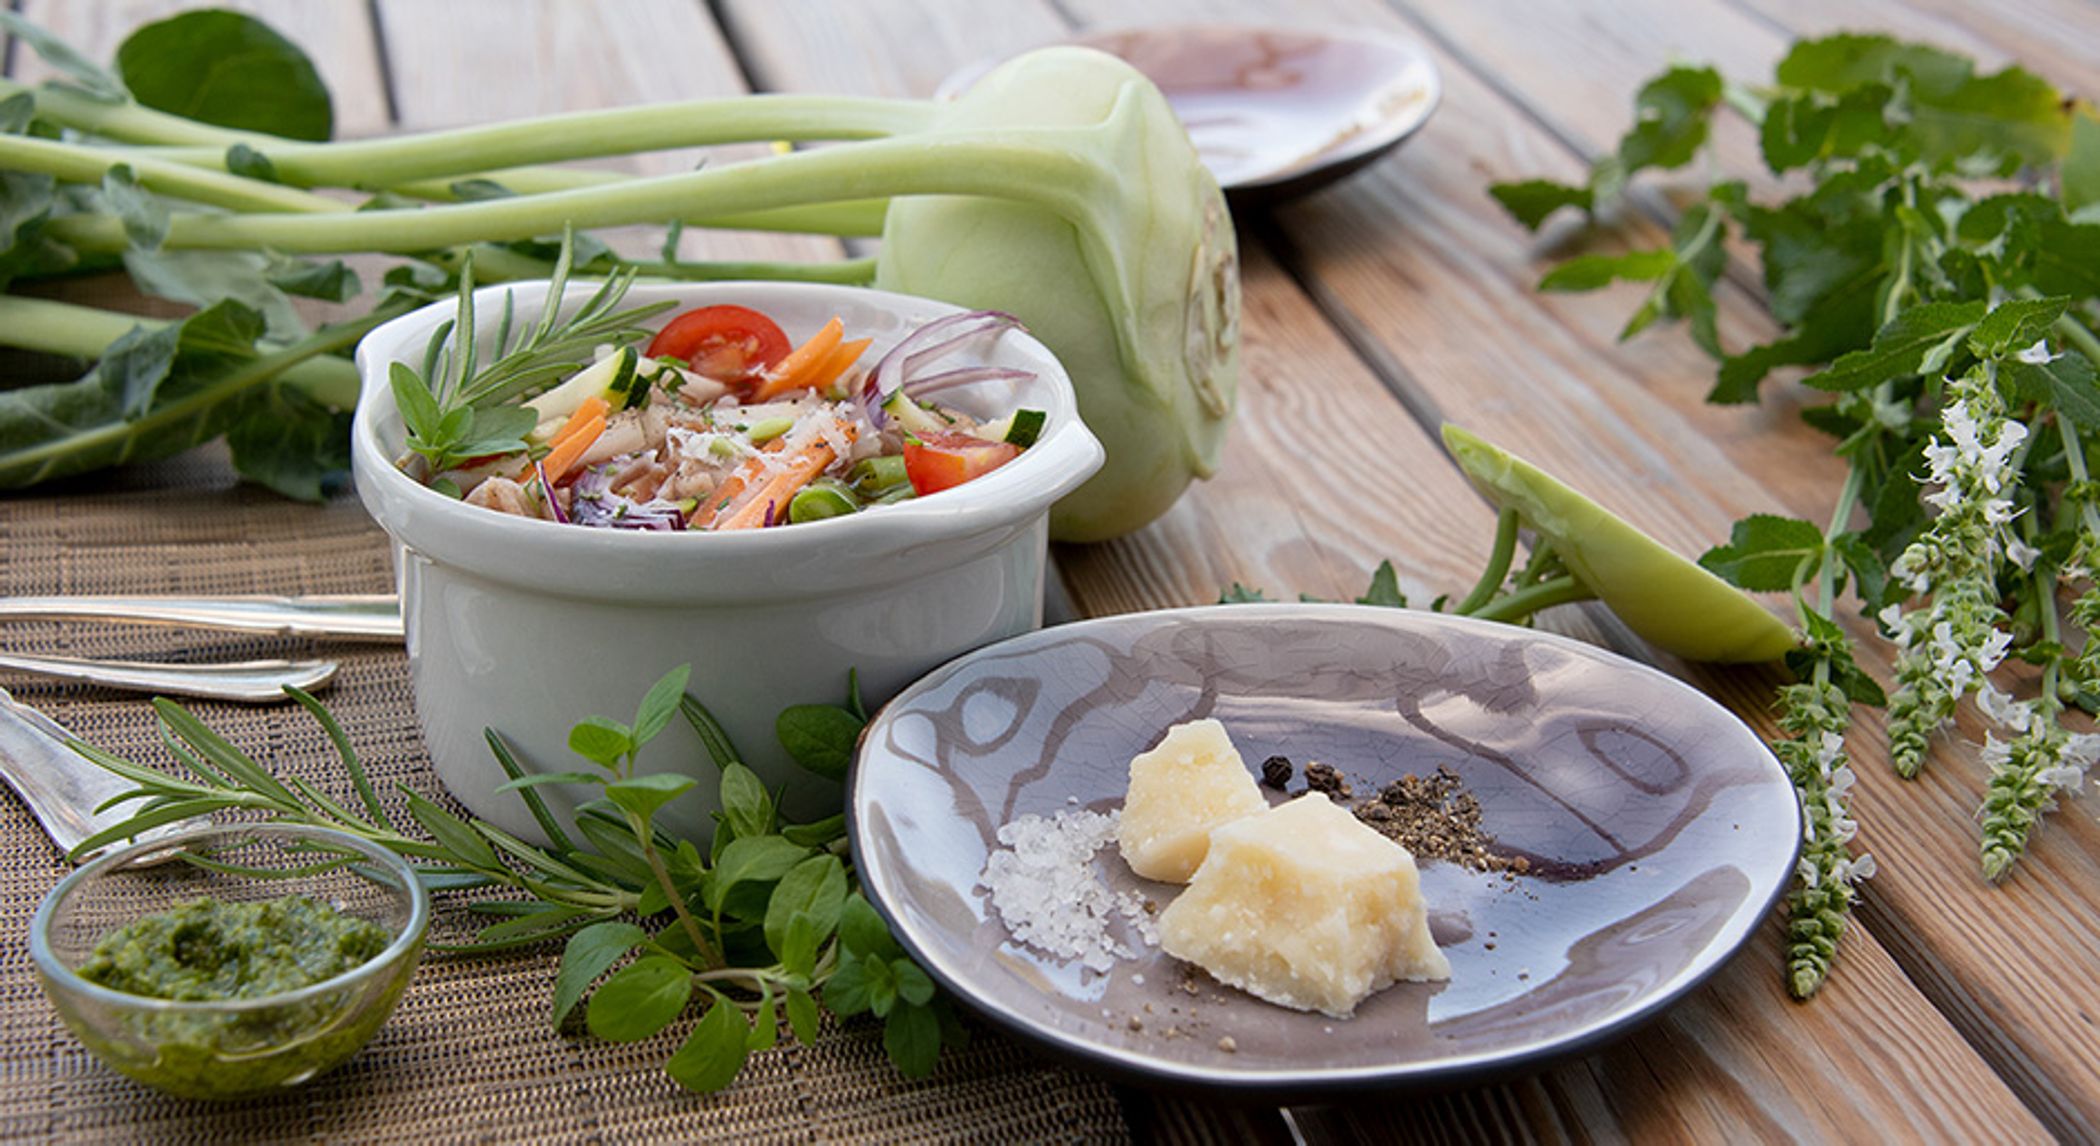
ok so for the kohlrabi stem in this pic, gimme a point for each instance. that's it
(72, 331)
(378, 163)
(1561, 590)
(1039, 166)
(132, 123)
(495, 264)
(76, 163)
(1497, 570)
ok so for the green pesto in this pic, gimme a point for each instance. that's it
(205, 950)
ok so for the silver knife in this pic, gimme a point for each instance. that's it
(61, 787)
(356, 617)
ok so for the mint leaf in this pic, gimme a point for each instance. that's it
(757, 859)
(2079, 177)
(1917, 341)
(846, 992)
(1765, 552)
(1241, 595)
(1532, 200)
(820, 737)
(1588, 272)
(644, 795)
(2067, 257)
(912, 1037)
(1384, 588)
(2066, 383)
(602, 742)
(2015, 325)
(1670, 119)
(913, 985)
(228, 69)
(863, 932)
(746, 804)
(713, 1055)
(814, 887)
(641, 999)
(590, 953)
(802, 1016)
(661, 704)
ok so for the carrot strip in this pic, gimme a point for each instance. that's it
(569, 450)
(593, 407)
(803, 462)
(792, 372)
(841, 360)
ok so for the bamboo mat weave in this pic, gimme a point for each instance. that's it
(468, 1055)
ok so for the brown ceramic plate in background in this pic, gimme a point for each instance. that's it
(1660, 830)
(1274, 112)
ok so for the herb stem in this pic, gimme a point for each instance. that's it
(1491, 578)
(1521, 604)
(646, 838)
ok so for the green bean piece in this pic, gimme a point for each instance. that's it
(1670, 601)
(766, 429)
(821, 499)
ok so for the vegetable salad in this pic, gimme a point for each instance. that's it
(722, 423)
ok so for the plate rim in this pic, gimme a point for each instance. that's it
(1302, 1083)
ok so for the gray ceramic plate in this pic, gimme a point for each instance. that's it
(1660, 829)
(1274, 112)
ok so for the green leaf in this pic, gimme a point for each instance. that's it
(820, 833)
(912, 1036)
(880, 977)
(602, 742)
(2016, 324)
(846, 992)
(913, 986)
(802, 1016)
(1588, 272)
(820, 737)
(227, 69)
(542, 779)
(745, 802)
(640, 1000)
(2079, 177)
(2067, 258)
(2067, 383)
(1765, 553)
(85, 74)
(1241, 595)
(201, 278)
(815, 887)
(1916, 341)
(248, 163)
(713, 1055)
(765, 1025)
(144, 215)
(332, 281)
(751, 859)
(643, 795)
(661, 704)
(1670, 119)
(292, 444)
(798, 944)
(1532, 200)
(1384, 588)
(863, 932)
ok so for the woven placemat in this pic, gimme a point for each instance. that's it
(469, 1054)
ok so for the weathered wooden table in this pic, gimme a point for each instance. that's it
(1374, 310)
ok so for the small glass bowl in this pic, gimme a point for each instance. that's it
(241, 1047)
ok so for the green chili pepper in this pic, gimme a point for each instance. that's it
(1671, 602)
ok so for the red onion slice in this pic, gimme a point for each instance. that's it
(932, 341)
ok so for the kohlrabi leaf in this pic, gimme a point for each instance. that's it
(292, 444)
(83, 73)
(227, 69)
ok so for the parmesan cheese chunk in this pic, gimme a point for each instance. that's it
(1179, 791)
(1305, 906)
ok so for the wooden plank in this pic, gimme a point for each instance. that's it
(338, 36)
(1276, 498)
(1922, 905)
(548, 56)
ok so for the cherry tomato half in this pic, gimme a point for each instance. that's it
(944, 459)
(733, 344)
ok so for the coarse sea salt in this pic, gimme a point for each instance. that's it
(1044, 885)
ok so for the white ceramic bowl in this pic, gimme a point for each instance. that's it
(526, 626)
